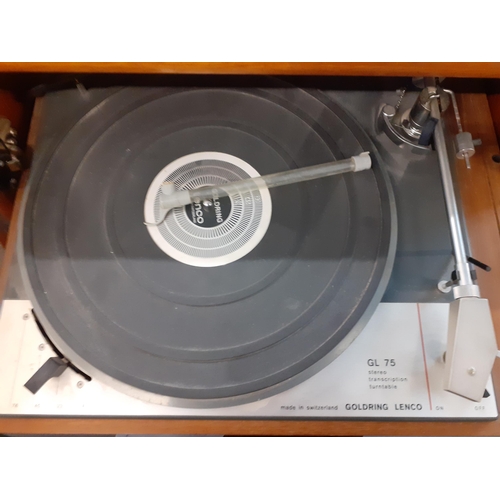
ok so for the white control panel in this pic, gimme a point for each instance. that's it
(393, 370)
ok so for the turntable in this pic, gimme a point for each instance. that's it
(347, 296)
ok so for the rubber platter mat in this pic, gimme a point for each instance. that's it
(115, 303)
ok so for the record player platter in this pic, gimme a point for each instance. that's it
(228, 300)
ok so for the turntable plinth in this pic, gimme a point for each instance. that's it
(477, 195)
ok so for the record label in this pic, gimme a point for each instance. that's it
(209, 213)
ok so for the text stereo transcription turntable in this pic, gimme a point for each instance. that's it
(260, 251)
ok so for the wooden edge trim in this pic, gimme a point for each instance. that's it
(441, 69)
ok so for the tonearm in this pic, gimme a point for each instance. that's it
(471, 345)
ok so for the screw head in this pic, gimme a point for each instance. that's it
(389, 111)
(26, 316)
(79, 384)
(207, 203)
(41, 347)
(471, 371)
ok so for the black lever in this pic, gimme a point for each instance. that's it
(471, 260)
(479, 264)
(53, 367)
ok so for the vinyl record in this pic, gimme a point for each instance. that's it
(228, 300)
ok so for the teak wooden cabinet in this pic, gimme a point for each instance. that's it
(480, 192)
